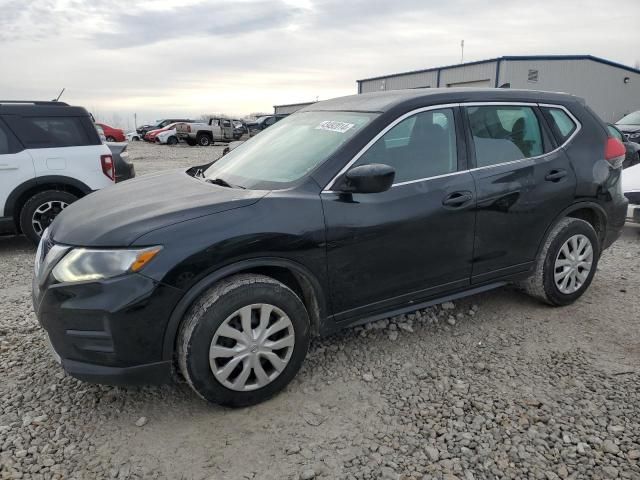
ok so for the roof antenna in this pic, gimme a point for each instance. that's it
(55, 100)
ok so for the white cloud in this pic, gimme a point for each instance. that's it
(164, 57)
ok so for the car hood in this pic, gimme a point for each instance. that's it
(116, 216)
(628, 128)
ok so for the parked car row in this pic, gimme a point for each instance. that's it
(171, 131)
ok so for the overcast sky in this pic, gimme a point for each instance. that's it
(188, 57)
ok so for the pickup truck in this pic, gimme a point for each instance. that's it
(204, 134)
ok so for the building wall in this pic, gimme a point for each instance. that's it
(401, 82)
(601, 85)
(289, 109)
(451, 77)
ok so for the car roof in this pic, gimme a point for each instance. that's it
(36, 108)
(384, 101)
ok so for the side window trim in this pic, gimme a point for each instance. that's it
(465, 134)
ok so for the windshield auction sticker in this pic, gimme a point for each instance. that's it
(340, 127)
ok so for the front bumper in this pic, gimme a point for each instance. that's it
(108, 331)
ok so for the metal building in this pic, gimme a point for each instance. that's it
(290, 108)
(610, 88)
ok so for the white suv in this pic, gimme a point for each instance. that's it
(50, 155)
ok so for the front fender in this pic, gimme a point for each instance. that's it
(190, 296)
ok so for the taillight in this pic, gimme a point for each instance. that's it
(108, 167)
(615, 152)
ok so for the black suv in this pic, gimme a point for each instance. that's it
(350, 210)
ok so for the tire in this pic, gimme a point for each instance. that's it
(214, 312)
(110, 139)
(172, 141)
(40, 210)
(191, 142)
(552, 259)
(204, 140)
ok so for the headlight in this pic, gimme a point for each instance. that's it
(82, 264)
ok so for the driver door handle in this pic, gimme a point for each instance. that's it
(555, 175)
(457, 199)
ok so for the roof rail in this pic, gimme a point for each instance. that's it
(33, 102)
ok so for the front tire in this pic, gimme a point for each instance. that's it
(172, 141)
(41, 209)
(110, 139)
(567, 263)
(243, 340)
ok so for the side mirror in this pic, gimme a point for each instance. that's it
(372, 178)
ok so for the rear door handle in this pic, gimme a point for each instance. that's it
(555, 175)
(457, 199)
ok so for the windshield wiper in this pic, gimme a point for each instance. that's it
(223, 183)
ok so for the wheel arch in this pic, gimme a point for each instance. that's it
(590, 212)
(294, 275)
(24, 191)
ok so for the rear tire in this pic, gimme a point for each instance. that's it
(204, 140)
(225, 350)
(40, 210)
(191, 142)
(566, 264)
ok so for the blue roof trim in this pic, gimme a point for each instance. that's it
(510, 58)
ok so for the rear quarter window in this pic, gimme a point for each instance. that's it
(52, 132)
(561, 123)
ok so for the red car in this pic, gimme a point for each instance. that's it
(151, 135)
(112, 134)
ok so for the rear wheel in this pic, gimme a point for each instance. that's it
(191, 142)
(204, 140)
(567, 263)
(41, 209)
(243, 340)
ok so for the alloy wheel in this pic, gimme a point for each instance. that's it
(45, 214)
(573, 264)
(252, 347)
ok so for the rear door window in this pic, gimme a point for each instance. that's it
(561, 123)
(5, 140)
(504, 133)
(51, 132)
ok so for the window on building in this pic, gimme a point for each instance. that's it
(532, 76)
(503, 133)
(420, 146)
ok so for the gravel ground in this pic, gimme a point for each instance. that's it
(495, 386)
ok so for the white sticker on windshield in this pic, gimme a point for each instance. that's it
(332, 126)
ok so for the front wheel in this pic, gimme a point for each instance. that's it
(567, 263)
(111, 139)
(172, 141)
(243, 341)
(41, 209)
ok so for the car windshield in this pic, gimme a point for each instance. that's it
(632, 119)
(288, 150)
